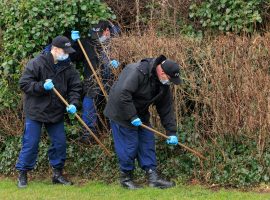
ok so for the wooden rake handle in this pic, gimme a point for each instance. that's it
(83, 123)
(93, 70)
(182, 145)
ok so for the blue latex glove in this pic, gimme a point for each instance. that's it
(115, 64)
(136, 122)
(172, 140)
(71, 109)
(75, 35)
(48, 85)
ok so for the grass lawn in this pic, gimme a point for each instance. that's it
(43, 189)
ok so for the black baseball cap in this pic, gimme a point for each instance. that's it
(97, 30)
(172, 69)
(63, 43)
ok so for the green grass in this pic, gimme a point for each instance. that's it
(38, 190)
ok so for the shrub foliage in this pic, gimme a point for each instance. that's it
(222, 108)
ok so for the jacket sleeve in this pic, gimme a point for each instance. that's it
(74, 87)
(78, 55)
(165, 109)
(129, 85)
(30, 82)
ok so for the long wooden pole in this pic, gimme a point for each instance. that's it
(97, 78)
(83, 123)
(93, 70)
(182, 145)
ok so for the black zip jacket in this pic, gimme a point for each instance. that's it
(135, 90)
(99, 61)
(92, 52)
(42, 105)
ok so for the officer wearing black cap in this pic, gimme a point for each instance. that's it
(63, 42)
(138, 86)
(43, 108)
(97, 48)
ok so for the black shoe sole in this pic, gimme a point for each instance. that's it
(58, 183)
(22, 186)
(161, 187)
(129, 188)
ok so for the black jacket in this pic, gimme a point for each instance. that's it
(99, 60)
(92, 52)
(135, 90)
(42, 105)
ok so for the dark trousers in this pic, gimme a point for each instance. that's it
(94, 100)
(89, 113)
(30, 141)
(131, 144)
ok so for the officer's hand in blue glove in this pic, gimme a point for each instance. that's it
(136, 122)
(75, 35)
(71, 109)
(48, 85)
(172, 140)
(115, 64)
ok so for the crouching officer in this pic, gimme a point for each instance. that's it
(43, 107)
(139, 85)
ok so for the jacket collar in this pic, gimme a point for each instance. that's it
(48, 57)
(147, 66)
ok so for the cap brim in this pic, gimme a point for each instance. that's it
(69, 50)
(176, 81)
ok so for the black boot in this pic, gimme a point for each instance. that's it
(22, 179)
(155, 181)
(58, 177)
(86, 138)
(126, 180)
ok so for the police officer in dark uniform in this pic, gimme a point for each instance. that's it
(97, 48)
(138, 86)
(43, 108)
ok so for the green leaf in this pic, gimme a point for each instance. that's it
(35, 9)
(83, 7)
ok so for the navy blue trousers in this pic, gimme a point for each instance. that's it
(30, 141)
(134, 144)
(89, 113)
